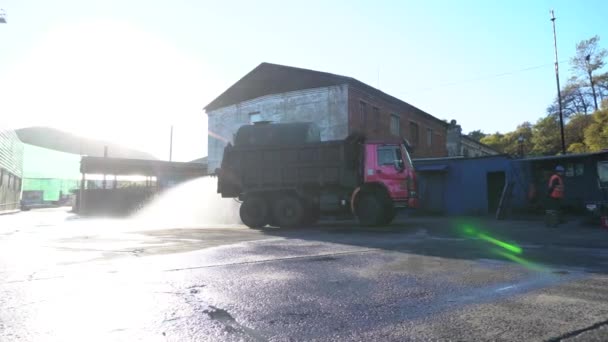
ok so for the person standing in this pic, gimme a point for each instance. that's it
(556, 192)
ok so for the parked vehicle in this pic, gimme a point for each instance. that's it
(285, 176)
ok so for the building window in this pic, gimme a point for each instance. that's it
(363, 113)
(395, 124)
(429, 137)
(255, 117)
(376, 117)
(414, 133)
(579, 169)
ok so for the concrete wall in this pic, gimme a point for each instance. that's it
(461, 145)
(377, 123)
(472, 148)
(327, 107)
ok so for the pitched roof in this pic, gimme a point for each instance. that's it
(268, 79)
(58, 140)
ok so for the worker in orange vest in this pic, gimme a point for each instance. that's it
(556, 190)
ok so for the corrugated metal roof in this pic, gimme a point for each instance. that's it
(567, 156)
(140, 167)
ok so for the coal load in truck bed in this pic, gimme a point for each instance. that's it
(280, 134)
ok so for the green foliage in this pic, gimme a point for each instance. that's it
(477, 135)
(574, 132)
(596, 135)
(495, 141)
(577, 148)
(546, 137)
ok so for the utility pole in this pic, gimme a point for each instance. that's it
(171, 145)
(559, 92)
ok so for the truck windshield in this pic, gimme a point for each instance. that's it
(388, 154)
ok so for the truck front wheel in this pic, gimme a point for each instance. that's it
(371, 210)
(288, 211)
(254, 212)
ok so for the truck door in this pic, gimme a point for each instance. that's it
(390, 170)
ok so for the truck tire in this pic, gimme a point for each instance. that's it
(254, 212)
(389, 215)
(312, 214)
(288, 211)
(369, 209)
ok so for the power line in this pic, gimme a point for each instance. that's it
(482, 78)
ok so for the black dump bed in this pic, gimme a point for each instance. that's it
(306, 165)
(279, 134)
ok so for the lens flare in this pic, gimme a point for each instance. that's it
(510, 247)
(525, 263)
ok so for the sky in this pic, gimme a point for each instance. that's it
(126, 71)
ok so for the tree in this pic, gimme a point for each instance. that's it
(601, 81)
(495, 141)
(511, 141)
(574, 132)
(546, 136)
(477, 135)
(575, 99)
(588, 59)
(596, 135)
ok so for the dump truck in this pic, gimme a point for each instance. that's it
(286, 176)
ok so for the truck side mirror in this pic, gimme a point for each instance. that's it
(398, 163)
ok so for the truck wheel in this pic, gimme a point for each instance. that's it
(369, 209)
(311, 216)
(288, 211)
(254, 212)
(389, 214)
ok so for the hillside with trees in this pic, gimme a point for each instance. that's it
(584, 107)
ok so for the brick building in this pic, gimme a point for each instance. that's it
(339, 105)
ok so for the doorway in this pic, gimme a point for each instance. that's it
(495, 185)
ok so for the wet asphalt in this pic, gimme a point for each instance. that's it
(69, 279)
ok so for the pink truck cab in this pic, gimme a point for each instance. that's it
(390, 164)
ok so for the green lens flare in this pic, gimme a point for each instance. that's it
(511, 248)
(468, 230)
(472, 232)
(521, 261)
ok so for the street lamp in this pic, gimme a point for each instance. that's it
(520, 141)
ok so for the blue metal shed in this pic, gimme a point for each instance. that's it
(474, 186)
(462, 186)
(583, 182)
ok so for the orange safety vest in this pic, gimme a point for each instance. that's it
(558, 190)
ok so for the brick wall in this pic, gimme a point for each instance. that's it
(378, 122)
